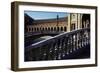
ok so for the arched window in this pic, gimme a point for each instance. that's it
(73, 16)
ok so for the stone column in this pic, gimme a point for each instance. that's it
(68, 27)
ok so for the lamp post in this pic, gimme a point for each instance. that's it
(57, 21)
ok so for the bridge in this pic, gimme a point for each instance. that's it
(67, 45)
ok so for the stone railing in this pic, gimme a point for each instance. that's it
(55, 48)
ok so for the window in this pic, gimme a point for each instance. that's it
(73, 16)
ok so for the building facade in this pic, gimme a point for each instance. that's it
(50, 25)
(71, 22)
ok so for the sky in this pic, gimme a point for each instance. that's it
(45, 15)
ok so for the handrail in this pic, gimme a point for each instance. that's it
(59, 46)
(41, 43)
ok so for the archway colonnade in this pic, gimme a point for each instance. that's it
(49, 29)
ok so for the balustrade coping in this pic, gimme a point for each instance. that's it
(44, 42)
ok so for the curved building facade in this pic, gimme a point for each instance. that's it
(49, 25)
(71, 22)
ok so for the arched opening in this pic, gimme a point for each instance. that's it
(48, 28)
(37, 29)
(54, 28)
(51, 28)
(42, 29)
(29, 29)
(87, 23)
(45, 29)
(65, 28)
(73, 26)
(85, 20)
(61, 28)
(34, 29)
(57, 28)
(26, 29)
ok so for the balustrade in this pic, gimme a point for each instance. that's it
(59, 46)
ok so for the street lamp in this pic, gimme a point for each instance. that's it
(57, 21)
